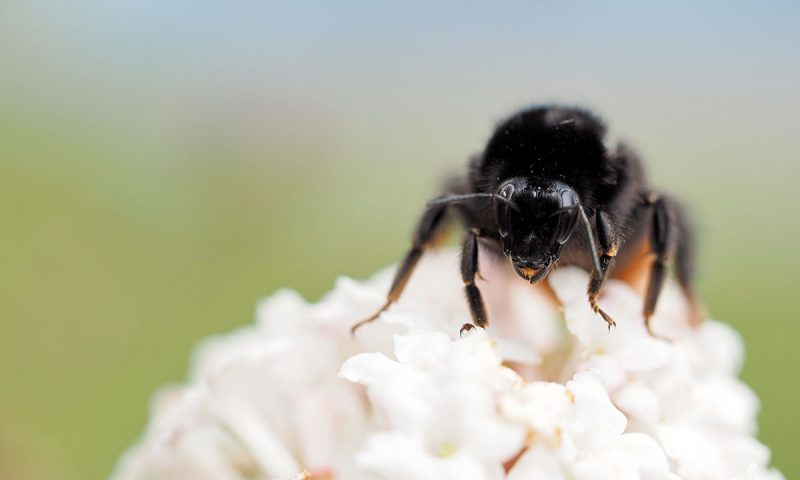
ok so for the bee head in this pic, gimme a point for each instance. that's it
(534, 225)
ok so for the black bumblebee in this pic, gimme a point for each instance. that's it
(546, 191)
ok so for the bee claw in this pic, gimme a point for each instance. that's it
(465, 328)
(370, 319)
(610, 321)
(654, 334)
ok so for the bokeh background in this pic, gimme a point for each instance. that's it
(163, 165)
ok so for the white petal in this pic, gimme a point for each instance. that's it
(631, 456)
(716, 347)
(537, 463)
(368, 368)
(399, 457)
(726, 403)
(594, 419)
(267, 448)
(639, 402)
(694, 451)
(422, 350)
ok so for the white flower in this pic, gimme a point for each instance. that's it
(539, 394)
(440, 395)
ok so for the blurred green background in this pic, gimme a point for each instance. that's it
(163, 165)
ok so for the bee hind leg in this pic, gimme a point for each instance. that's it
(684, 261)
(671, 239)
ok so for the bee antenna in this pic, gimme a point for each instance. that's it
(592, 243)
(448, 199)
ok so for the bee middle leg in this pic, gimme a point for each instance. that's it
(608, 246)
(469, 269)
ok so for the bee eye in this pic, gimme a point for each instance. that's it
(502, 215)
(567, 199)
(565, 226)
(502, 210)
(503, 221)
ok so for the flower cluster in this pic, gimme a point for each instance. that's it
(546, 392)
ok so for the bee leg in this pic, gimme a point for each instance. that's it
(663, 243)
(469, 269)
(608, 246)
(429, 225)
(684, 261)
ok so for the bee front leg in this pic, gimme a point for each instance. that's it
(429, 225)
(469, 269)
(608, 247)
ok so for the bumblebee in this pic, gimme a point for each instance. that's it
(546, 192)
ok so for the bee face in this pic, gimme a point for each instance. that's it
(535, 224)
